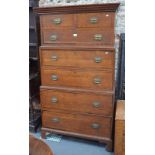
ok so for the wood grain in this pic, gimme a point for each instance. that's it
(77, 102)
(73, 58)
(104, 20)
(77, 78)
(85, 36)
(47, 21)
(77, 92)
(38, 146)
(120, 128)
(77, 123)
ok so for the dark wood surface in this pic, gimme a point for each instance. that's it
(77, 69)
(108, 7)
(38, 147)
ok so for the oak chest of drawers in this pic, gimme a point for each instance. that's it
(77, 58)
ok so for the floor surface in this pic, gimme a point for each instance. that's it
(76, 146)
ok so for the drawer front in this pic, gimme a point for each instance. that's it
(95, 36)
(57, 21)
(57, 36)
(92, 79)
(78, 102)
(82, 36)
(104, 20)
(93, 59)
(84, 124)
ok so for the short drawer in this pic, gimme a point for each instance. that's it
(77, 102)
(57, 36)
(95, 36)
(104, 20)
(93, 59)
(84, 124)
(84, 78)
(83, 36)
(56, 21)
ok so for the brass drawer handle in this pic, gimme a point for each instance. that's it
(93, 20)
(97, 80)
(54, 57)
(56, 120)
(54, 99)
(95, 125)
(98, 59)
(98, 37)
(96, 104)
(54, 77)
(57, 21)
(53, 37)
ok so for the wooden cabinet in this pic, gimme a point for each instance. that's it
(77, 58)
(120, 128)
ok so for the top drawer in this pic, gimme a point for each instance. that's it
(104, 20)
(57, 21)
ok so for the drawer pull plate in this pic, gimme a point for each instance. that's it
(54, 57)
(57, 21)
(98, 59)
(54, 99)
(54, 77)
(95, 125)
(56, 120)
(93, 20)
(96, 104)
(98, 37)
(53, 37)
(97, 80)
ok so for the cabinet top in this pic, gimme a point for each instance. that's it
(107, 7)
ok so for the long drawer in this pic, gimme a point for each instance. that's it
(84, 78)
(75, 58)
(84, 124)
(77, 102)
(83, 36)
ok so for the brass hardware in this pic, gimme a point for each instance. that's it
(97, 80)
(55, 120)
(54, 57)
(57, 21)
(106, 52)
(95, 125)
(74, 35)
(54, 77)
(96, 104)
(93, 20)
(98, 59)
(54, 99)
(98, 37)
(53, 37)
